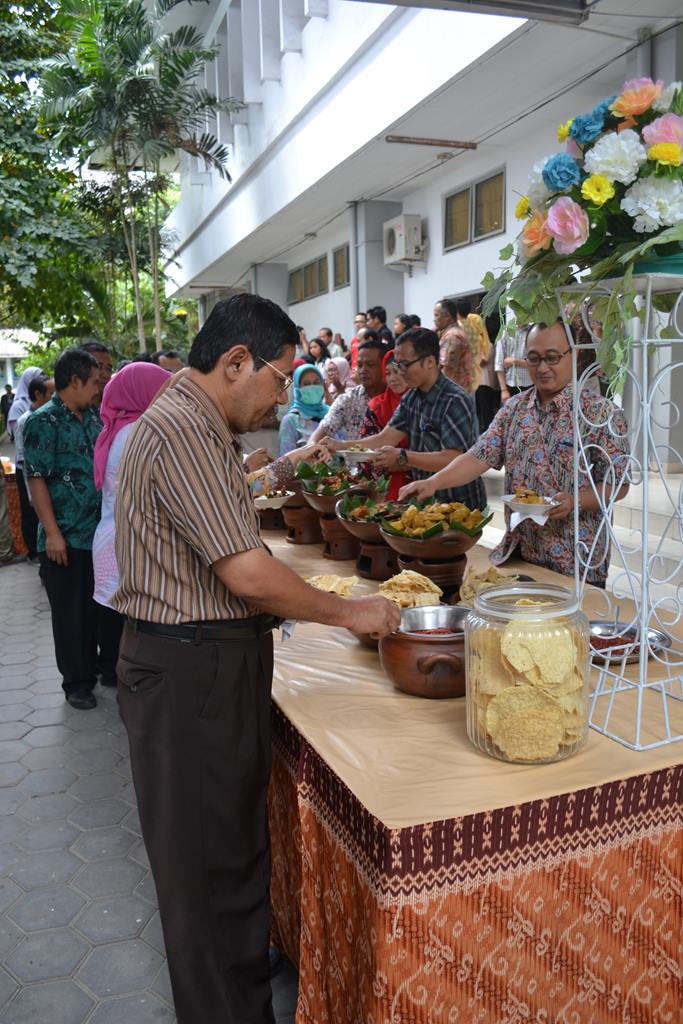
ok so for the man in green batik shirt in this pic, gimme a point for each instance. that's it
(59, 442)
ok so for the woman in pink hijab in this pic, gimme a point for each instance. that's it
(125, 398)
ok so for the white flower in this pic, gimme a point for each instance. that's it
(654, 203)
(617, 156)
(665, 100)
(536, 189)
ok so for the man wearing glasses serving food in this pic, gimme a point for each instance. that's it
(533, 438)
(436, 416)
(202, 595)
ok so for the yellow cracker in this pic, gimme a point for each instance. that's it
(331, 584)
(530, 735)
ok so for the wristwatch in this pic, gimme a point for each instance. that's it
(402, 459)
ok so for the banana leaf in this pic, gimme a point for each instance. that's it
(425, 535)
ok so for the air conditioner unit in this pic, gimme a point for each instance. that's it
(402, 239)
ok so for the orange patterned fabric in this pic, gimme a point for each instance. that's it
(559, 911)
(14, 513)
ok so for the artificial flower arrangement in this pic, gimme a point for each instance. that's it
(592, 211)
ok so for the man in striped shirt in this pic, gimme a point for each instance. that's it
(202, 595)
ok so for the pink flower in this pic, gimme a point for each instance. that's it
(568, 224)
(573, 150)
(668, 128)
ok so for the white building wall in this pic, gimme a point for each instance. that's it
(335, 308)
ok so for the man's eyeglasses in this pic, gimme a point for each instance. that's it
(402, 365)
(286, 381)
(550, 358)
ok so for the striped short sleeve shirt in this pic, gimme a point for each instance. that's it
(182, 504)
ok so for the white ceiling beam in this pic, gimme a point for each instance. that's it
(269, 29)
(292, 22)
(316, 8)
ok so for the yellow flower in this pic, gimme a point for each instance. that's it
(597, 189)
(563, 130)
(668, 153)
(522, 208)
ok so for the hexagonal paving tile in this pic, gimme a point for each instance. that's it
(46, 908)
(9, 935)
(10, 799)
(107, 877)
(49, 735)
(142, 1008)
(96, 787)
(9, 893)
(46, 808)
(46, 757)
(13, 730)
(120, 967)
(59, 1002)
(55, 953)
(13, 712)
(9, 855)
(147, 889)
(8, 987)
(14, 681)
(98, 718)
(103, 842)
(11, 774)
(48, 835)
(161, 985)
(11, 827)
(139, 853)
(11, 696)
(118, 917)
(54, 715)
(99, 813)
(40, 870)
(48, 781)
(132, 821)
(101, 739)
(13, 750)
(153, 933)
(93, 761)
(48, 700)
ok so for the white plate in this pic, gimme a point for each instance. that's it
(352, 456)
(277, 502)
(522, 506)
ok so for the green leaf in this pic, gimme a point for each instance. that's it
(507, 251)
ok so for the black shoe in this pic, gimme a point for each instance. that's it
(81, 699)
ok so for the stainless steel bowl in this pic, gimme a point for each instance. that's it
(657, 641)
(434, 616)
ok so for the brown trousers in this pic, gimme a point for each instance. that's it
(198, 722)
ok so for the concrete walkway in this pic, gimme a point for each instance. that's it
(80, 939)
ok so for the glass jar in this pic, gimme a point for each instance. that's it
(527, 663)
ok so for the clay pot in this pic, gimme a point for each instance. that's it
(271, 519)
(297, 500)
(303, 525)
(340, 546)
(443, 546)
(364, 531)
(323, 503)
(426, 665)
(376, 562)
(447, 575)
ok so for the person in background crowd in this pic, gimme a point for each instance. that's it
(532, 437)
(307, 410)
(302, 344)
(339, 340)
(487, 395)
(379, 412)
(416, 320)
(377, 322)
(359, 322)
(335, 350)
(104, 362)
(167, 359)
(403, 322)
(141, 357)
(337, 376)
(480, 343)
(126, 396)
(320, 352)
(21, 399)
(6, 404)
(346, 415)
(59, 442)
(510, 364)
(455, 350)
(196, 661)
(436, 416)
(40, 391)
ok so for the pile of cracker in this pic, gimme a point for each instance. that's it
(410, 589)
(526, 686)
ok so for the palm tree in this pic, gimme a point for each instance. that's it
(125, 91)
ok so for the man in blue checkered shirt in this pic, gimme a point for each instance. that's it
(436, 415)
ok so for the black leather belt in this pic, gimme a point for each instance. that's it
(210, 632)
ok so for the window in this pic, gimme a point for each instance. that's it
(457, 219)
(308, 281)
(340, 267)
(488, 206)
(475, 212)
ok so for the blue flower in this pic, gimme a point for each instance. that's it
(560, 173)
(603, 108)
(585, 128)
